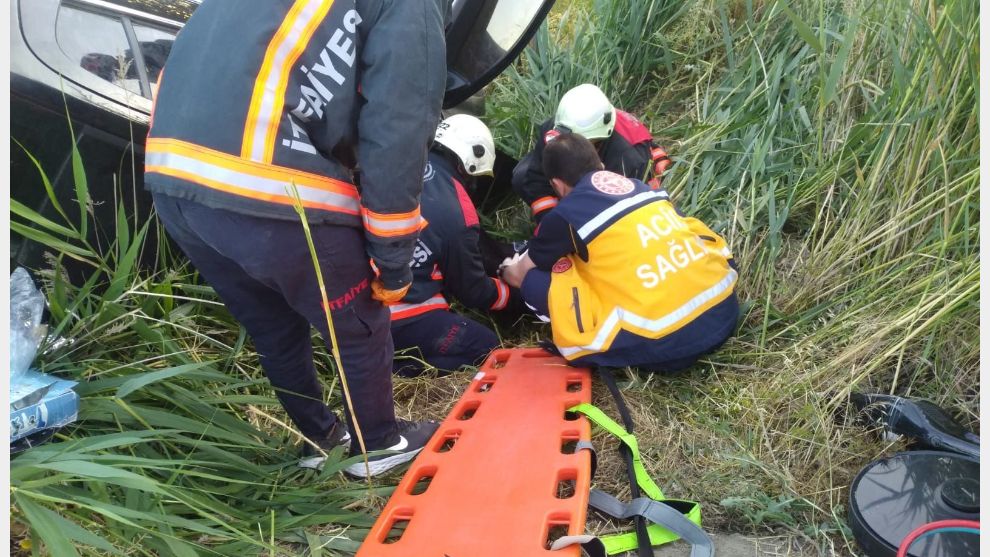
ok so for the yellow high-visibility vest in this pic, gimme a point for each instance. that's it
(649, 273)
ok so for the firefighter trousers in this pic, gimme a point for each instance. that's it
(442, 339)
(263, 271)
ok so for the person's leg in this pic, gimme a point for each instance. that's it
(445, 340)
(275, 253)
(409, 360)
(676, 351)
(281, 336)
(534, 289)
(463, 342)
(361, 326)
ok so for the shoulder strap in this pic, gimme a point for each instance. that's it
(667, 523)
(668, 519)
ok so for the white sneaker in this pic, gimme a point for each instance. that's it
(313, 459)
(413, 436)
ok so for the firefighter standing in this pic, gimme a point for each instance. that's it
(624, 144)
(623, 277)
(447, 260)
(259, 97)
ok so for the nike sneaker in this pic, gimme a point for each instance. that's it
(314, 458)
(411, 438)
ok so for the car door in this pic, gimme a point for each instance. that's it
(98, 62)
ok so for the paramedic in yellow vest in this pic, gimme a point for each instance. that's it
(622, 276)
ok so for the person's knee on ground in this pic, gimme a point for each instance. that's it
(442, 340)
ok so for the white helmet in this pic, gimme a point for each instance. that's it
(587, 111)
(469, 139)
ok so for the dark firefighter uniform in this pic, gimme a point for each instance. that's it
(262, 96)
(626, 280)
(446, 263)
(629, 151)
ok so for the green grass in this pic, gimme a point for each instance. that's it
(180, 448)
(835, 144)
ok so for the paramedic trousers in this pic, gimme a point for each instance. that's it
(442, 339)
(672, 353)
(263, 271)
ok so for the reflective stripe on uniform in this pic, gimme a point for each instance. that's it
(232, 174)
(658, 153)
(503, 294)
(403, 311)
(611, 325)
(605, 216)
(268, 98)
(395, 224)
(543, 204)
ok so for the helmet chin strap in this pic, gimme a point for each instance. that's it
(469, 182)
(466, 180)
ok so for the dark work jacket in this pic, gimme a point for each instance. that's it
(446, 260)
(629, 151)
(261, 95)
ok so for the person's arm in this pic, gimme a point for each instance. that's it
(514, 274)
(636, 162)
(529, 182)
(554, 239)
(464, 273)
(660, 163)
(403, 74)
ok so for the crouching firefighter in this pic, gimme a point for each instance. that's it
(447, 261)
(624, 145)
(623, 277)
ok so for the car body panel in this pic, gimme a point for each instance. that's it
(110, 121)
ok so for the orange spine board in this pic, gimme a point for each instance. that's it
(500, 477)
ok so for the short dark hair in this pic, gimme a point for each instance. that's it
(570, 156)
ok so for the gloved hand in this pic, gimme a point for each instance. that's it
(390, 284)
(382, 294)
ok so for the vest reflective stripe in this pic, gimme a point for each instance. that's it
(543, 204)
(404, 311)
(232, 174)
(618, 316)
(389, 225)
(615, 210)
(503, 294)
(268, 98)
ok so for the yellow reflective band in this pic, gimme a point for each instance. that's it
(605, 216)
(619, 316)
(503, 294)
(268, 98)
(403, 311)
(543, 204)
(391, 225)
(231, 174)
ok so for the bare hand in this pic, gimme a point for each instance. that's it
(514, 273)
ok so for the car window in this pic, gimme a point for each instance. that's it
(98, 44)
(484, 37)
(155, 45)
(498, 27)
(178, 11)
